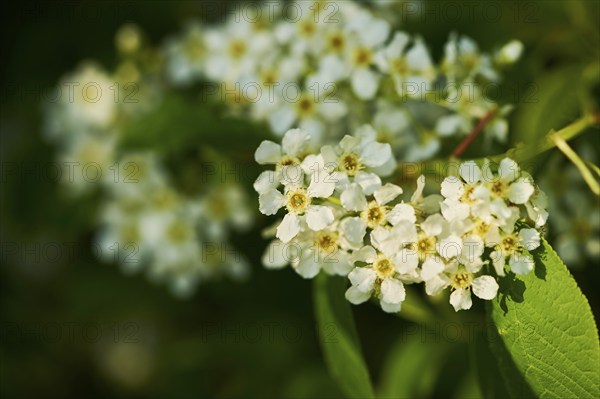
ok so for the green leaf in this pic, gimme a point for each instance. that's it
(493, 374)
(411, 368)
(547, 328)
(339, 339)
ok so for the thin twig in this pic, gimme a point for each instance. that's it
(462, 147)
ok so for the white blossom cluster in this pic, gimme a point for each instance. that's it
(329, 66)
(148, 226)
(341, 217)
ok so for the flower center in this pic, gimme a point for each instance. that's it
(482, 228)
(177, 232)
(269, 77)
(327, 241)
(164, 199)
(307, 27)
(498, 187)
(362, 57)
(297, 201)
(383, 267)
(466, 197)
(336, 42)
(374, 215)
(237, 48)
(287, 161)
(425, 246)
(509, 243)
(399, 66)
(462, 279)
(305, 106)
(350, 164)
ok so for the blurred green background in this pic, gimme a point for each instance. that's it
(73, 327)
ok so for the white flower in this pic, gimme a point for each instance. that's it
(374, 212)
(412, 69)
(381, 275)
(484, 287)
(463, 60)
(298, 202)
(517, 248)
(366, 36)
(286, 158)
(360, 156)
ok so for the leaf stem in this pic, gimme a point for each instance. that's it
(587, 175)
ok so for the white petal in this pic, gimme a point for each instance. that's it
(470, 172)
(368, 181)
(308, 267)
(268, 152)
(363, 278)
(318, 217)
(454, 210)
(520, 191)
(275, 256)
(508, 169)
(356, 296)
(485, 287)
(376, 32)
(452, 188)
(354, 229)
(529, 238)
(418, 56)
(436, 284)
(498, 260)
(392, 291)
(270, 202)
(313, 164)
(390, 307)
(432, 266)
(473, 248)
(291, 175)
(398, 44)
(332, 111)
(353, 198)
(321, 185)
(384, 240)
(460, 299)
(406, 261)
(294, 141)
(404, 232)
(387, 193)
(266, 181)
(450, 247)
(448, 125)
(375, 154)
(364, 83)
(366, 254)
(387, 169)
(481, 192)
(433, 225)
(521, 263)
(282, 119)
(349, 143)
(419, 191)
(402, 212)
(288, 228)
